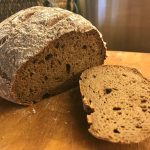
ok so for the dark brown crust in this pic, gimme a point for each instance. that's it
(19, 47)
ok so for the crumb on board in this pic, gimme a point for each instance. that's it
(55, 119)
(33, 110)
(66, 122)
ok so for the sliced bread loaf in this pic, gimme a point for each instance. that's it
(43, 51)
(117, 100)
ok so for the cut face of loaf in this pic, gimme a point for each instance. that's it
(43, 52)
(117, 100)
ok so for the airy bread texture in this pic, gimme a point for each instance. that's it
(43, 51)
(117, 100)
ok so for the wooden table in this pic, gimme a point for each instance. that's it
(59, 123)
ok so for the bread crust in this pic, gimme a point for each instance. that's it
(25, 35)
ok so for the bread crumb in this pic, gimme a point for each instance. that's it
(33, 110)
(66, 122)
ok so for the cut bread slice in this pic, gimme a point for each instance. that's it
(117, 100)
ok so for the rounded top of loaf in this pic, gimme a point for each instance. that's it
(26, 33)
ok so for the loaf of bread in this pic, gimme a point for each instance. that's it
(117, 102)
(43, 52)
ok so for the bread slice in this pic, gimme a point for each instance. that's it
(43, 51)
(117, 100)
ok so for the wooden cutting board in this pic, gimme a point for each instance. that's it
(59, 123)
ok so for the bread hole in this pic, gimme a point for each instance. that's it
(90, 101)
(45, 78)
(110, 137)
(84, 47)
(63, 45)
(107, 118)
(31, 90)
(52, 63)
(34, 61)
(116, 108)
(57, 45)
(143, 106)
(77, 37)
(116, 131)
(124, 75)
(144, 88)
(131, 106)
(107, 91)
(104, 113)
(94, 76)
(119, 113)
(90, 46)
(68, 68)
(55, 54)
(144, 109)
(48, 57)
(115, 89)
(85, 77)
(136, 118)
(142, 96)
(34, 101)
(138, 126)
(31, 74)
(59, 62)
(122, 126)
(133, 81)
(143, 101)
(3, 39)
(46, 95)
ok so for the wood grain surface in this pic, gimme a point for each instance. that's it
(59, 122)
